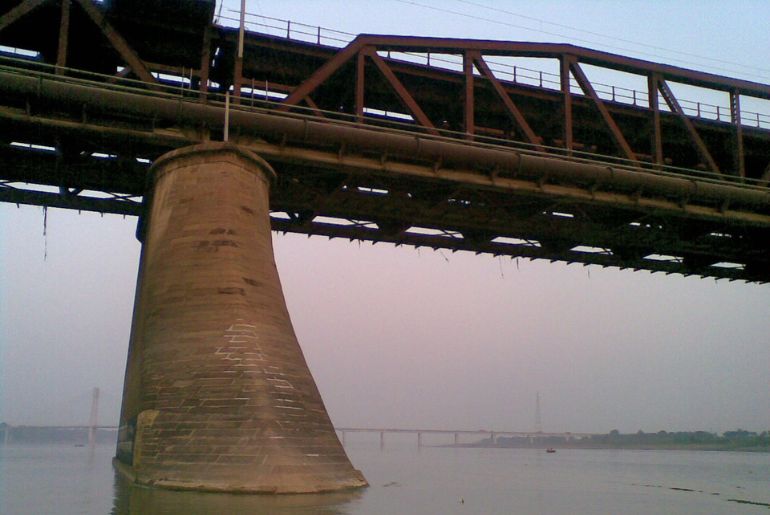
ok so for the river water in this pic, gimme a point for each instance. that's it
(407, 480)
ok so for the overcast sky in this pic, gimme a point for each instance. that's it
(404, 338)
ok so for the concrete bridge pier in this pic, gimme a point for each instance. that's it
(217, 394)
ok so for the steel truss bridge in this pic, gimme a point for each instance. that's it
(444, 143)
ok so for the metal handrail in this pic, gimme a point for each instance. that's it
(518, 74)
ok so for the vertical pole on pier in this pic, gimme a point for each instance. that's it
(382, 440)
(226, 136)
(238, 71)
(457, 438)
(419, 440)
(343, 438)
(93, 419)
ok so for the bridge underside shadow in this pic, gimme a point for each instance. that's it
(218, 395)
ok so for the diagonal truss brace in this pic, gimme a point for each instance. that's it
(589, 90)
(321, 74)
(19, 11)
(113, 36)
(117, 41)
(513, 111)
(675, 107)
(404, 95)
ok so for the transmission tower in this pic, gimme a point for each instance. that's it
(92, 421)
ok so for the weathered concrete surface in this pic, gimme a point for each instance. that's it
(218, 395)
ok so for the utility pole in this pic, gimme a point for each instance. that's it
(538, 419)
(92, 421)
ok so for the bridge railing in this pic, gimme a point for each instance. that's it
(517, 74)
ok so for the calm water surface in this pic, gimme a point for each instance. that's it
(405, 480)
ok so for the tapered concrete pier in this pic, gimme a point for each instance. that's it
(218, 395)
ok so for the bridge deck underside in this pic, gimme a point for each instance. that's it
(91, 154)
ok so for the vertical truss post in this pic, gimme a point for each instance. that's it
(360, 70)
(567, 101)
(64, 29)
(739, 164)
(657, 138)
(237, 79)
(469, 111)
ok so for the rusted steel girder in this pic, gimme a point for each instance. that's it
(449, 153)
(473, 52)
(556, 51)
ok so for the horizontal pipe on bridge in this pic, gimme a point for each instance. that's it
(393, 144)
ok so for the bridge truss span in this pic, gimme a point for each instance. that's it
(407, 140)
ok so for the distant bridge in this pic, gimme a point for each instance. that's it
(456, 433)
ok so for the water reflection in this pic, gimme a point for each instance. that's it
(130, 499)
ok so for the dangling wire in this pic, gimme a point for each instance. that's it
(45, 233)
(500, 260)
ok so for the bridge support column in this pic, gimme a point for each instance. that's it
(218, 395)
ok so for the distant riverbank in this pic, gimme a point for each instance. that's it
(738, 440)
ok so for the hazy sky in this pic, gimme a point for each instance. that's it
(405, 338)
